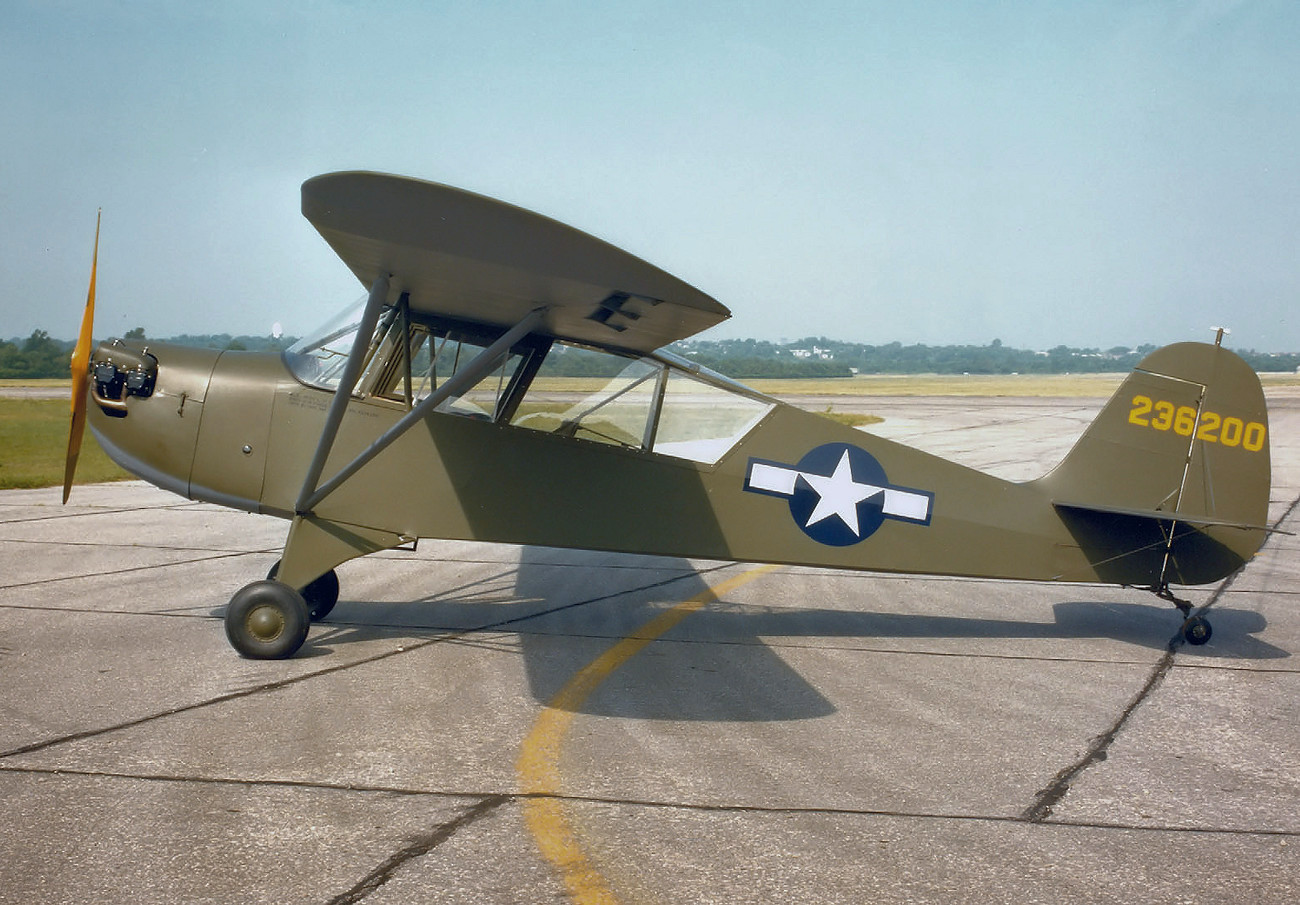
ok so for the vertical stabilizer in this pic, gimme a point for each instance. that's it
(1179, 455)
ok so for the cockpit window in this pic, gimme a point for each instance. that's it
(659, 403)
(571, 397)
(435, 353)
(318, 358)
(702, 421)
(652, 404)
(436, 357)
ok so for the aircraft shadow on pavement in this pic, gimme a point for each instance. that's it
(715, 664)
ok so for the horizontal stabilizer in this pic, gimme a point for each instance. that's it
(1163, 515)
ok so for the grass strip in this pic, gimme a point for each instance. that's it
(34, 443)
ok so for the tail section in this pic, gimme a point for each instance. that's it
(1170, 483)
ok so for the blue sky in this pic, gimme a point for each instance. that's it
(1092, 174)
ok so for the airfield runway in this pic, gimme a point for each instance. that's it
(479, 723)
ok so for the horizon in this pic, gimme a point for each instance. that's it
(784, 342)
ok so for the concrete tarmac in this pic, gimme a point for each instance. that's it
(482, 723)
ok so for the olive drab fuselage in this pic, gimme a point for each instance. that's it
(238, 429)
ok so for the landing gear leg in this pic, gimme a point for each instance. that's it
(321, 594)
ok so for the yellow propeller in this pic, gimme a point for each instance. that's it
(81, 373)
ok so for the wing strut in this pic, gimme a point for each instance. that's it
(463, 379)
(404, 306)
(347, 383)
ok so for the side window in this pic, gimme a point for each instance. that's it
(437, 358)
(700, 421)
(593, 395)
(437, 352)
(639, 403)
(658, 404)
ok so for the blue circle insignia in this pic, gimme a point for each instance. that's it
(839, 497)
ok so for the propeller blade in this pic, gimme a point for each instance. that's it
(81, 374)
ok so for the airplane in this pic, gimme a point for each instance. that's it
(430, 409)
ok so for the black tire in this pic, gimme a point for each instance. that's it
(321, 594)
(1197, 630)
(267, 620)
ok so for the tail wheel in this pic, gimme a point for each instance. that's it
(1196, 630)
(321, 594)
(267, 620)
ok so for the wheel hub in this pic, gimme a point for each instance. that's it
(265, 623)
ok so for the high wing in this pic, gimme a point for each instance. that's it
(461, 255)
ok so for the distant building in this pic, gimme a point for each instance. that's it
(814, 352)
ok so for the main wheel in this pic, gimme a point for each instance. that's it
(1197, 630)
(267, 620)
(321, 594)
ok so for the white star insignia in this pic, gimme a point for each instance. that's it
(839, 495)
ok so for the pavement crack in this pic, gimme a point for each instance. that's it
(444, 637)
(352, 788)
(1051, 794)
(759, 810)
(418, 848)
(127, 570)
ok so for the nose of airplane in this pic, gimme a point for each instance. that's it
(146, 402)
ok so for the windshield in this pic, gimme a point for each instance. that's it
(318, 357)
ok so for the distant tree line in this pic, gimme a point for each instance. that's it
(36, 356)
(757, 368)
(822, 357)
(39, 355)
(233, 343)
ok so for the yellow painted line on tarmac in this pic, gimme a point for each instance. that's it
(538, 766)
